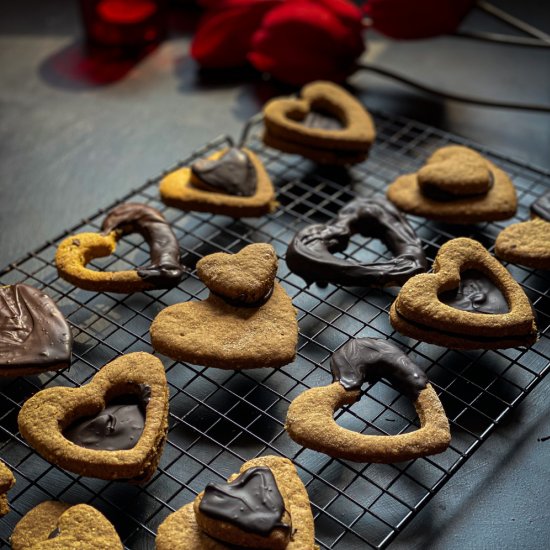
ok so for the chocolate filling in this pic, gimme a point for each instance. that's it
(251, 501)
(236, 302)
(541, 207)
(437, 194)
(117, 427)
(54, 534)
(310, 254)
(233, 174)
(369, 359)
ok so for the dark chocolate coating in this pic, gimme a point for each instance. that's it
(541, 207)
(165, 269)
(310, 254)
(117, 427)
(251, 501)
(322, 120)
(33, 332)
(477, 294)
(233, 174)
(437, 194)
(369, 359)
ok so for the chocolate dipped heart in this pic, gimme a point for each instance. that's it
(528, 243)
(310, 418)
(265, 505)
(456, 185)
(7, 481)
(327, 125)
(112, 428)
(231, 182)
(247, 321)
(164, 271)
(59, 526)
(470, 301)
(34, 335)
(311, 252)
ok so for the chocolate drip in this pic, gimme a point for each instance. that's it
(165, 269)
(310, 254)
(437, 194)
(251, 501)
(117, 427)
(322, 120)
(33, 332)
(369, 359)
(541, 207)
(476, 293)
(233, 174)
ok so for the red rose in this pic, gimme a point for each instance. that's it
(417, 18)
(304, 40)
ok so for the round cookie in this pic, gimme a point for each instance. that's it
(7, 481)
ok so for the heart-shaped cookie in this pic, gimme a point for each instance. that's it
(310, 418)
(456, 185)
(469, 301)
(34, 335)
(264, 506)
(247, 276)
(59, 526)
(327, 125)
(221, 184)
(528, 243)
(224, 331)
(112, 428)
(165, 270)
(7, 481)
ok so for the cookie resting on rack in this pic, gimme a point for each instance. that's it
(7, 481)
(310, 418)
(265, 505)
(247, 321)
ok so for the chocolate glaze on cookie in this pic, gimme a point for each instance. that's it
(251, 501)
(33, 332)
(369, 359)
(310, 254)
(117, 427)
(232, 174)
(477, 294)
(541, 207)
(165, 270)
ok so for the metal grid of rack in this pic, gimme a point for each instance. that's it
(218, 419)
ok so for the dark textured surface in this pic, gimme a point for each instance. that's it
(72, 139)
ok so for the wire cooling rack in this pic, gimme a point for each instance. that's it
(218, 419)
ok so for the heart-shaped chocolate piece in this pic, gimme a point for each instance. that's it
(327, 125)
(112, 428)
(164, 271)
(469, 301)
(310, 418)
(247, 276)
(7, 481)
(34, 335)
(456, 185)
(231, 182)
(60, 526)
(265, 505)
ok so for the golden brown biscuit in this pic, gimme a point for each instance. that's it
(327, 125)
(112, 428)
(164, 271)
(226, 330)
(470, 301)
(185, 190)
(310, 418)
(58, 526)
(456, 185)
(278, 518)
(7, 481)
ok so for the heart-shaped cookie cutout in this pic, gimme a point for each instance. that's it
(184, 189)
(34, 335)
(59, 526)
(112, 428)
(7, 481)
(460, 304)
(247, 276)
(164, 271)
(456, 185)
(265, 505)
(310, 418)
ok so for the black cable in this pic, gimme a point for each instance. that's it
(454, 97)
